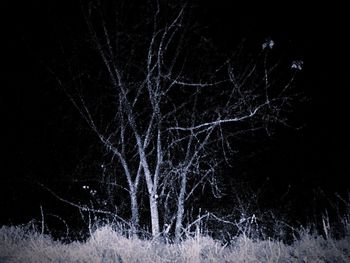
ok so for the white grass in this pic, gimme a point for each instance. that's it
(19, 244)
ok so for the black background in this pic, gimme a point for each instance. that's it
(40, 142)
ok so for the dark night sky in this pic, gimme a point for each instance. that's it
(39, 141)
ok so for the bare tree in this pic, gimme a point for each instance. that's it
(169, 115)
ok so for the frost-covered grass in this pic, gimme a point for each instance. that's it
(20, 244)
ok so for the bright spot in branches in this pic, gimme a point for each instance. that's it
(269, 43)
(297, 64)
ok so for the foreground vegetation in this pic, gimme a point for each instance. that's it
(107, 244)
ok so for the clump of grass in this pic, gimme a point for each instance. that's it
(107, 244)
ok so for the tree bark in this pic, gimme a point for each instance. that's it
(154, 216)
(134, 214)
(180, 208)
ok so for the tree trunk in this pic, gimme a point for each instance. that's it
(180, 208)
(134, 214)
(154, 216)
